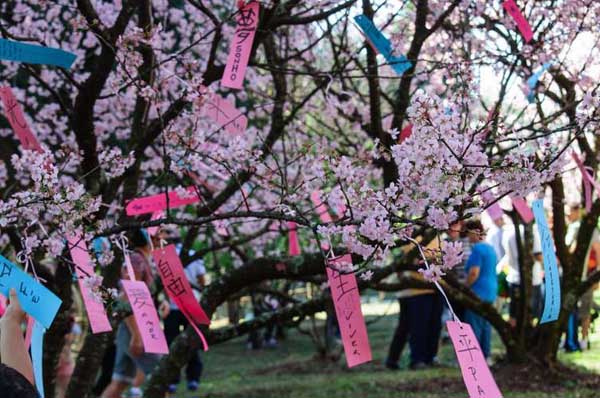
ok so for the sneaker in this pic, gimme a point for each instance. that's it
(391, 366)
(172, 388)
(584, 344)
(271, 343)
(193, 385)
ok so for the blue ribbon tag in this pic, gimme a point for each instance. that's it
(34, 54)
(35, 299)
(551, 277)
(37, 356)
(533, 80)
(400, 64)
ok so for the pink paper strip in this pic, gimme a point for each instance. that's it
(293, 243)
(154, 203)
(476, 374)
(224, 114)
(511, 7)
(15, 117)
(84, 267)
(494, 210)
(176, 283)
(239, 52)
(155, 216)
(29, 331)
(321, 207)
(588, 182)
(520, 205)
(346, 299)
(146, 317)
(406, 132)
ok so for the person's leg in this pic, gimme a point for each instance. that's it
(172, 323)
(435, 328)
(419, 318)
(124, 368)
(585, 309)
(400, 337)
(193, 371)
(486, 337)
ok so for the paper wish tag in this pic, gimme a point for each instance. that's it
(146, 317)
(511, 7)
(156, 203)
(241, 46)
(224, 114)
(36, 300)
(99, 322)
(17, 121)
(37, 356)
(551, 277)
(34, 54)
(475, 371)
(346, 300)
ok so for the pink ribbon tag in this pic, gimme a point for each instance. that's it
(588, 181)
(178, 287)
(293, 243)
(494, 210)
(239, 52)
(146, 317)
(224, 114)
(346, 299)
(520, 205)
(29, 331)
(511, 7)
(154, 203)
(157, 215)
(406, 132)
(17, 121)
(320, 207)
(475, 371)
(83, 268)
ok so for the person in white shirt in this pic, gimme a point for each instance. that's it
(495, 235)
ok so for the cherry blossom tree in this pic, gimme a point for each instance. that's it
(395, 158)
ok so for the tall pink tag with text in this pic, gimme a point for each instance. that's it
(241, 46)
(83, 268)
(176, 283)
(17, 121)
(523, 209)
(320, 207)
(346, 299)
(146, 317)
(293, 243)
(511, 7)
(224, 114)
(475, 371)
(155, 203)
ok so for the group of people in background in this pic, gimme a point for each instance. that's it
(490, 269)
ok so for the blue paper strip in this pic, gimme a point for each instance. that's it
(34, 54)
(551, 277)
(36, 300)
(533, 80)
(37, 356)
(400, 64)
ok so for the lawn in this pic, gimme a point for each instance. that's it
(291, 371)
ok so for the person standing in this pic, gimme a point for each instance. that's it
(130, 354)
(481, 278)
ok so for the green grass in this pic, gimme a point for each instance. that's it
(290, 371)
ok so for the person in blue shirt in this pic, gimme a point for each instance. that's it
(482, 279)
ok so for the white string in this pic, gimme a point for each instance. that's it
(436, 283)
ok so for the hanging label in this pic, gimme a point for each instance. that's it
(293, 243)
(84, 268)
(155, 203)
(475, 371)
(36, 300)
(520, 205)
(146, 317)
(522, 24)
(551, 277)
(34, 54)
(224, 114)
(346, 300)
(37, 356)
(241, 46)
(17, 121)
